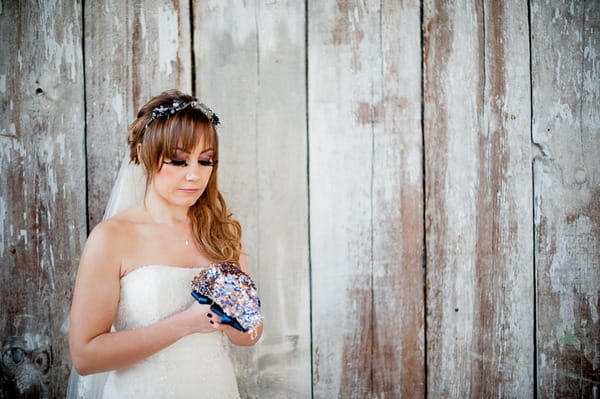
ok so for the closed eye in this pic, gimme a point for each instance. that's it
(206, 162)
(177, 162)
(184, 163)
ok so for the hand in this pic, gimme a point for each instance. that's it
(236, 336)
(201, 318)
(214, 320)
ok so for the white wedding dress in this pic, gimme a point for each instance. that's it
(196, 366)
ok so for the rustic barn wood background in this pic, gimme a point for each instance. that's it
(419, 183)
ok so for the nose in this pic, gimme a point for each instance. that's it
(193, 172)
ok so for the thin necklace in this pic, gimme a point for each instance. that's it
(187, 240)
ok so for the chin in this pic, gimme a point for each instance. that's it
(189, 203)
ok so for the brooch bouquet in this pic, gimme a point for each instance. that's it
(231, 293)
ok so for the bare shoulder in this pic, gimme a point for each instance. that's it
(111, 239)
(114, 230)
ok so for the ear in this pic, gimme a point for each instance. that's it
(138, 149)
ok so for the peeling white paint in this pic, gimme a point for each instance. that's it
(117, 106)
(71, 52)
(276, 34)
(52, 261)
(52, 183)
(413, 174)
(227, 19)
(51, 270)
(3, 214)
(11, 151)
(2, 83)
(573, 260)
(61, 140)
(64, 327)
(567, 316)
(589, 52)
(563, 114)
(23, 234)
(354, 20)
(34, 341)
(143, 23)
(168, 38)
(12, 129)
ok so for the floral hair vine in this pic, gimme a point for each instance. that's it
(167, 112)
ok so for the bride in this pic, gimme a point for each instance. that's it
(132, 313)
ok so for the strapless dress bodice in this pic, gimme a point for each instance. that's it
(196, 366)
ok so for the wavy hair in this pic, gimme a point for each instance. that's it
(213, 227)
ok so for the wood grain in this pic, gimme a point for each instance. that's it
(250, 67)
(365, 200)
(42, 191)
(418, 183)
(344, 86)
(478, 202)
(397, 195)
(133, 51)
(566, 133)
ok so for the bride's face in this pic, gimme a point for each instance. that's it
(182, 179)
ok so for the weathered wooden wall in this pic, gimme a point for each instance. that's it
(42, 191)
(250, 62)
(132, 52)
(566, 167)
(480, 340)
(418, 183)
(366, 199)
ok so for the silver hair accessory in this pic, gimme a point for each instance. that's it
(167, 112)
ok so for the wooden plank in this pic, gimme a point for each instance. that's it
(366, 199)
(133, 51)
(250, 67)
(343, 76)
(566, 132)
(478, 185)
(42, 195)
(397, 214)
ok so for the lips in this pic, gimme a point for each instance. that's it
(189, 190)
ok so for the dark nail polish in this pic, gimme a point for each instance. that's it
(211, 322)
(209, 314)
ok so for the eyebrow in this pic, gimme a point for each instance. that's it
(203, 151)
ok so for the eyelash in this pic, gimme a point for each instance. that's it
(183, 163)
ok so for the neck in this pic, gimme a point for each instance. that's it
(162, 212)
(170, 218)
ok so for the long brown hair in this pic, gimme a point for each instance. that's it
(213, 228)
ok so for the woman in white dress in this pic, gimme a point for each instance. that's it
(132, 312)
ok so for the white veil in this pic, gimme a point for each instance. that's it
(128, 190)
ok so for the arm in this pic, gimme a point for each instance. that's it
(240, 338)
(95, 302)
